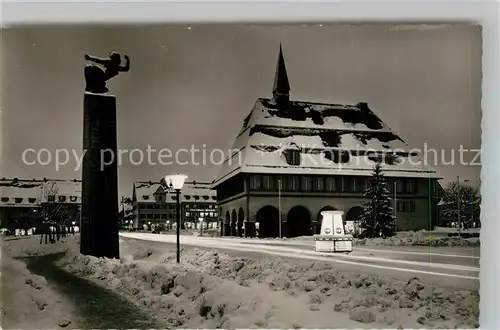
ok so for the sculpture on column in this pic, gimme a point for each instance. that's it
(96, 77)
(99, 210)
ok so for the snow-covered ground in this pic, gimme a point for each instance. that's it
(212, 289)
(28, 301)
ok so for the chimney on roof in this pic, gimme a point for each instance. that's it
(363, 106)
(281, 87)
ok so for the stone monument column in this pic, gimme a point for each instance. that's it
(99, 209)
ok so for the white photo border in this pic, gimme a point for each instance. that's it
(16, 13)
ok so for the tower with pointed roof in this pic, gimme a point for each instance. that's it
(292, 160)
(281, 86)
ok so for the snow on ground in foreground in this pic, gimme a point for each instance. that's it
(211, 289)
(28, 301)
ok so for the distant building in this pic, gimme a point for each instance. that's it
(27, 203)
(294, 159)
(153, 204)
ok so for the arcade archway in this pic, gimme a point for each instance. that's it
(268, 219)
(352, 219)
(298, 222)
(234, 221)
(241, 218)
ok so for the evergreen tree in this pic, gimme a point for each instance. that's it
(377, 218)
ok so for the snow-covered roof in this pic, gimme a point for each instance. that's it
(191, 192)
(17, 192)
(321, 132)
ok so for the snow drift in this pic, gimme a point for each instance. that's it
(28, 301)
(214, 290)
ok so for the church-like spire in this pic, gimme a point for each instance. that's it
(281, 87)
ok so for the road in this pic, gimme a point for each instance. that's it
(447, 267)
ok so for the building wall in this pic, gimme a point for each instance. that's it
(412, 209)
(161, 212)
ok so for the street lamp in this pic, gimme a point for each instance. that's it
(176, 182)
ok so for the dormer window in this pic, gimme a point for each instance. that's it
(188, 197)
(5, 199)
(18, 199)
(338, 156)
(62, 199)
(392, 159)
(292, 157)
(196, 197)
(145, 197)
(73, 198)
(31, 200)
(214, 198)
(206, 197)
(51, 198)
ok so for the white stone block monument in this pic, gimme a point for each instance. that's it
(332, 237)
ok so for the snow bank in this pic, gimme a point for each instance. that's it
(214, 290)
(180, 296)
(28, 302)
(411, 238)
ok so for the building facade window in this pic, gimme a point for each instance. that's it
(348, 185)
(318, 183)
(267, 183)
(306, 183)
(32, 200)
(51, 198)
(73, 198)
(255, 182)
(406, 206)
(399, 186)
(292, 183)
(5, 199)
(331, 184)
(292, 157)
(359, 184)
(18, 199)
(411, 186)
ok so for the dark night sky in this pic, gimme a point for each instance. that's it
(193, 86)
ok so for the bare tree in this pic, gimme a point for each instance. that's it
(461, 203)
(54, 214)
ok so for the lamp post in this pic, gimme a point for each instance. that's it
(279, 205)
(467, 204)
(176, 182)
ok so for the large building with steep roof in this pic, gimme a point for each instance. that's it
(153, 204)
(293, 159)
